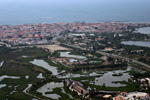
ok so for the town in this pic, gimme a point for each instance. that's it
(43, 33)
(74, 61)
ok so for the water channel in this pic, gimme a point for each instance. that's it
(11, 77)
(1, 63)
(45, 65)
(67, 54)
(2, 85)
(49, 88)
(143, 30)
(107, 79)
(137, 43)
(100, 79)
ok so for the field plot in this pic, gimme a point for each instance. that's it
(53, 48)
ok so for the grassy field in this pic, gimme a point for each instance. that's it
(16, 65)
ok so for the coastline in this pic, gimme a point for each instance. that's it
(77, 21)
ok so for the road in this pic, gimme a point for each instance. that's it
(113, 55)
(7, 45)
(74, 46)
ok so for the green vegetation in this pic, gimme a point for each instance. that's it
(89, 78)
(17, 64)
(79, 51)
(130, 87)
(19, 96)
(124, 65)
(120, 74)
(56, 54)
(60, 66)
(14, 54)
(59, 92)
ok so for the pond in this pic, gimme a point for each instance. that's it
(63, 91)
(137, 43)
(71, 75)
(144, 30)
(28, 87)
(49, 88)
(108, 78)
(15, 88)
(53, 96)
(66, 54)
(45, 65)
(2, 85)
(5, 76)
(40, 76)
(27, 77)
(1, 63)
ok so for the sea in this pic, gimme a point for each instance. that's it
(18, 12)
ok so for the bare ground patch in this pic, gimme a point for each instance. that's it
(53, 48)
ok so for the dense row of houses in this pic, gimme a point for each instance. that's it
(32, 33)
(132, 96)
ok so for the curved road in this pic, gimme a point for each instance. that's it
(112, 55)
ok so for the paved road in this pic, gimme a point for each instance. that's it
(7, 45)
(74, 46)
(113, 55)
